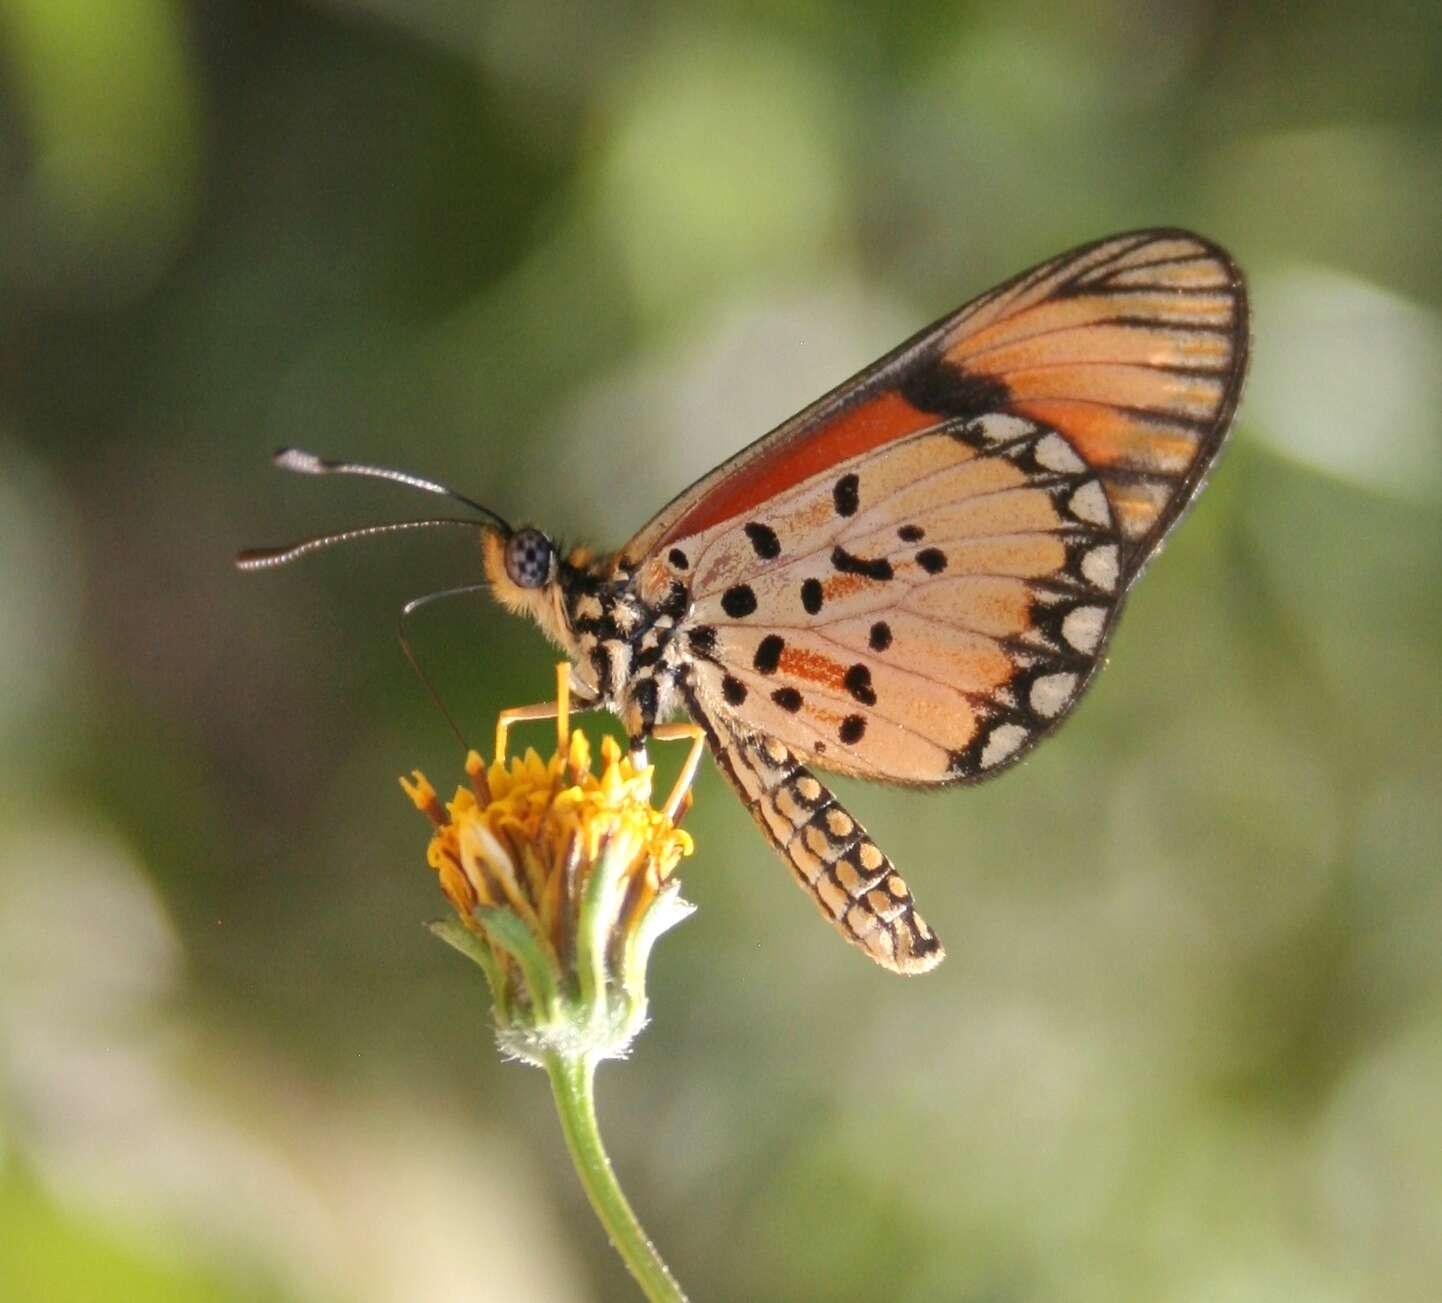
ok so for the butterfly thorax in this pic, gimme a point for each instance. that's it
(618, 630)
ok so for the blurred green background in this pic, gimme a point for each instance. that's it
(1188, 1042)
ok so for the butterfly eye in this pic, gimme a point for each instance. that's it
(528, 558)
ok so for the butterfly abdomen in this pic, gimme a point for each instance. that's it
(851, 880)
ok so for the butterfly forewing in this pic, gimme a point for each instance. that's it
(1133, 348)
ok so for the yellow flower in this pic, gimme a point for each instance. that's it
(562, 879)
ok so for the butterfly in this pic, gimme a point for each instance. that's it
(914, 579)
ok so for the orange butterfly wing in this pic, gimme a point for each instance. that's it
(914, 579)
(1133, 348)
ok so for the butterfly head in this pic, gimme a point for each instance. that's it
(521, 567)
(524, 568)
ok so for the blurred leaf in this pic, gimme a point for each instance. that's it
(108, 95)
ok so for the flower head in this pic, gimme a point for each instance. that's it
(562, 879)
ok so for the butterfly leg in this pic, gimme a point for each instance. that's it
(682, 733)
(852, 881)
(560, 710)
(521, 715)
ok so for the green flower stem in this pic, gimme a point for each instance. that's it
(573, 1080)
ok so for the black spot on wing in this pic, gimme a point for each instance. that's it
(768, 653)
(852, 730)
(733, 690)
(847, 494)
(938, 386)
(788, 699)
(858, 683)
(842, 560)
(811, 596)
(738, 602)
(911, 533)
(678, 559)
(880, 638)
(763, 540)
(932, 560)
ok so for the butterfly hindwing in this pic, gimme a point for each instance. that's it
(920, 614)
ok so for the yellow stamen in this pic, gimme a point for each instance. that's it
(524, 832)
(424, 795)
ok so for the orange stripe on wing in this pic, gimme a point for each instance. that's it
(1138, 506)
(1167, 393)
(1108, 436)
(811, 667)
(836, 588)
(1199, 311)
(1103, 345)
(856, 430)
(1194, 274)
(1150, 253)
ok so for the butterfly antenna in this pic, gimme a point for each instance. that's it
(266, 558)
(308, 463)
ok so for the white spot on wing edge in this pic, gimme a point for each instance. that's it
(1089, 503)
(1056, 454)
(1082, 627)
(1101, 566)
(1002, 742)
(1000, 427)
(1050, 694)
